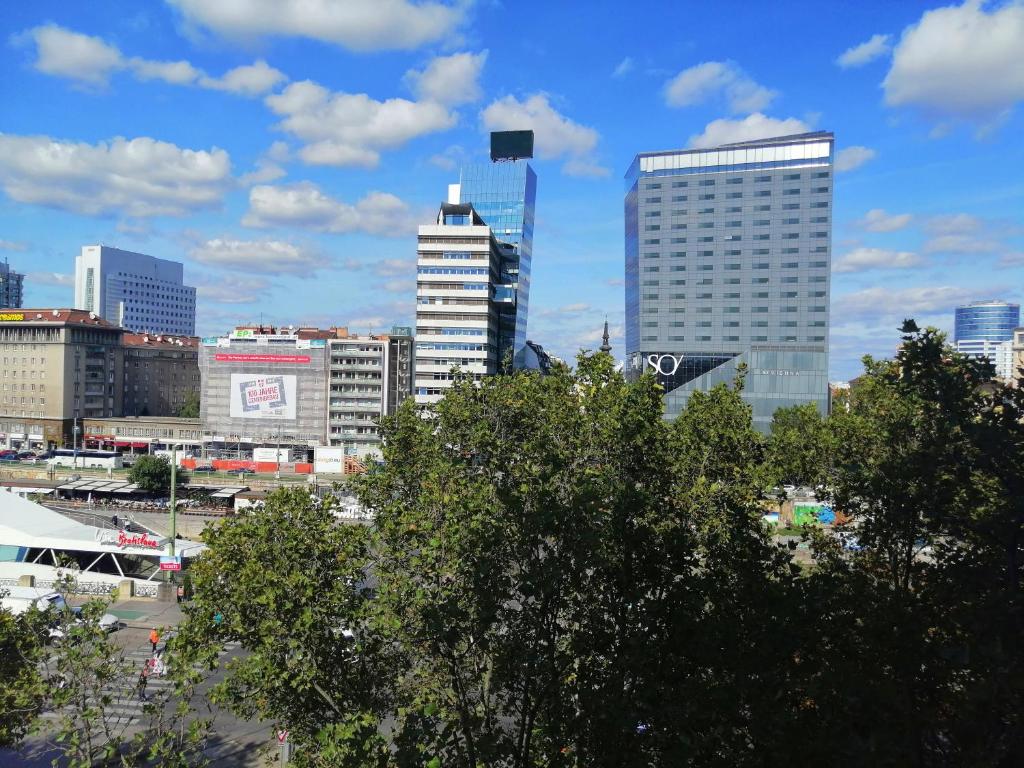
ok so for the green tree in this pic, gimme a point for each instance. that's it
(190, 408)
(923, 622)
(798, 448)
(22, 686)
(287, 583)
(151, 473)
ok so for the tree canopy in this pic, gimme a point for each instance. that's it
(556, 576)
(151, 473)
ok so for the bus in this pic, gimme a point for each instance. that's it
(65, 457)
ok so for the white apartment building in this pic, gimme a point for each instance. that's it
(138, 292)
(457, 301)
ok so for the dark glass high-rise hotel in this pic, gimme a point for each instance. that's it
(728, 252)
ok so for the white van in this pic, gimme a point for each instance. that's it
(20, 599)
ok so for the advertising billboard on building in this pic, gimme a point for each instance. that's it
(259, 396)
(271, 454)
(329, 460)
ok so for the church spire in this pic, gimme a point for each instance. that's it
(605, 346)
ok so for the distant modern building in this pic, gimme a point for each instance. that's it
(161, 373)
(11, 287)
(59, 366)
(138, 292)
(458, 301)
(1016, 372)
(986, 321)
(985, 329)
(503, 192)
(728, 254)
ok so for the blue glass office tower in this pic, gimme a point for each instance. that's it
(504, 194)
(986, 321)
(728, 252)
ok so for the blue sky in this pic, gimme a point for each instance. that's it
(286, 156)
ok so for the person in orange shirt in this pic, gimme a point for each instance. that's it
(154, 638)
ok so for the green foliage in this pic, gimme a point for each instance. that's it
(151, 473)
(799, 448)
(190, 408)
(561, 578)
(21, 684)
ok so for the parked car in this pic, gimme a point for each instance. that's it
(26, 455)
(10, 458)
(204, 469)
(108, 623)
(239, 472)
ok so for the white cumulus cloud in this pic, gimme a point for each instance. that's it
(711, 78)
(863, 259)
(129, 177)
(961, 61)
(878, 302)
(306, 205)
(877, 220)
(749, 128)
(271, 257)
(360, 25)
(64, 53)
(351, 128)
(173, 72)
(859, 55)
(850, 158)
(11, 245)
(555, 135)
(248, 80)
(449, 80)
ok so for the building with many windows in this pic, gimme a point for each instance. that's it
(458, 268)
(985, 329)
(727, 257)
(138, 292)
(11, 287)
(299, 388)
(161, 374)
(59, 366)
(370, 376)
(504, 193)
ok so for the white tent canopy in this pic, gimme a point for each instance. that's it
(24, 523)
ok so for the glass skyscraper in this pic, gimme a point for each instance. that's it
(728, 254)
(986, 321)
(504, 194)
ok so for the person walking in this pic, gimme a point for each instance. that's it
(154, 638)
(143, 680)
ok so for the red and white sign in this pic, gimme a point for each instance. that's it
(170, 563)
(228, 357)
(123, 538)
(282, 737)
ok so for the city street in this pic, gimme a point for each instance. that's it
(232, 742)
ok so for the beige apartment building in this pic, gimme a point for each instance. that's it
(58, 365)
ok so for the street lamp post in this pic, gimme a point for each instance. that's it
(174, 490)
(74, 432)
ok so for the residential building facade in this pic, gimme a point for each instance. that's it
(12, 286)
(161, 374)
(138, 292)
(727, 260)
(370, 376)
(59, 366)
(458, 268)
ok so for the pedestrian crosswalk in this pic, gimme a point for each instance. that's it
(123, 706)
